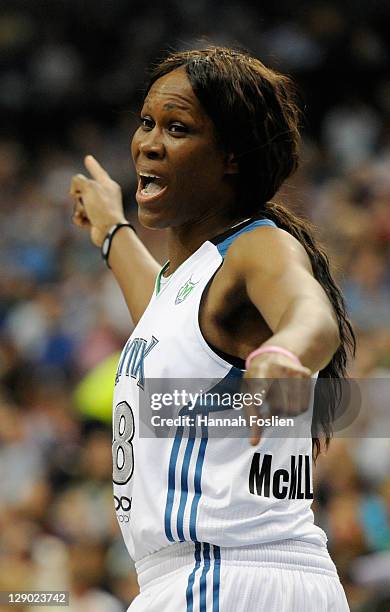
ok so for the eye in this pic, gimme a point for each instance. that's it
(146, 123)
(178, 128)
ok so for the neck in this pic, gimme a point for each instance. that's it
(184, 240)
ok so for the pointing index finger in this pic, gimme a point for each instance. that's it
(96, 170)
(257, 389)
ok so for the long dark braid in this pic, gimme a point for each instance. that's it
(327, 397)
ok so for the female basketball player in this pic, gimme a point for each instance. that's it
(218, 524)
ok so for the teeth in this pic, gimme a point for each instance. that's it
(151, 189)
(148, 175)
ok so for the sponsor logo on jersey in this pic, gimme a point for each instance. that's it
(133, 358)
(185, 291)
(293, 483)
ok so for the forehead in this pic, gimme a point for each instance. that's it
(173, 91)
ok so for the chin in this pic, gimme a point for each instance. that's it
(152, 220)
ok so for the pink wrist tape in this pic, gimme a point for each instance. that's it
(271, 349)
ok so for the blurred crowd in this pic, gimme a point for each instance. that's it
(71, 76)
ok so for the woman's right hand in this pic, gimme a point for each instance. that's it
(97, 201)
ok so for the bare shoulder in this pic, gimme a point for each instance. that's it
(270, 249)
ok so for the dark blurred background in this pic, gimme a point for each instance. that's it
(71, 79)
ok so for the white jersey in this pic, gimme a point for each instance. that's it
(199, 488)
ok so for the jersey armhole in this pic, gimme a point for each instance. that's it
(225, 359)
(237, 362)
(222, 243)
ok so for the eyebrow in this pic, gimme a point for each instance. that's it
(170, 106)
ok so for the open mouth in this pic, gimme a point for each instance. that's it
(150, 185)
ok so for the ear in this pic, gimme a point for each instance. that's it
(231, 164)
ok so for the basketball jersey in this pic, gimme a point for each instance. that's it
(199, 488)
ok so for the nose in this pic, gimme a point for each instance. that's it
(152, 147)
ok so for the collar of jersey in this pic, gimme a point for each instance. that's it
(213, 240)
(158, 279)
(158, 288)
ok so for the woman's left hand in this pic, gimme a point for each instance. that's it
(284, 384)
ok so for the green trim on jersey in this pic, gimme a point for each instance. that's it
(165, 267)
(159, 275)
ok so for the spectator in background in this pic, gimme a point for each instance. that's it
(366, 289)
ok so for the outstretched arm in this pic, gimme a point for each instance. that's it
(98, 206)
(276, 273)
(278, 278)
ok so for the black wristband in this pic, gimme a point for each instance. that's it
(106, 244)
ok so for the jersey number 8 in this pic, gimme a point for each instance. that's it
(122, 448)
